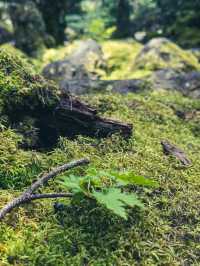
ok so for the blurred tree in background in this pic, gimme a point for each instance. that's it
(181, 20)
(123, 18)
(39, 23)
(54, 15)
(29, 27)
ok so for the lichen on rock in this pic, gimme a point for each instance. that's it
(161, 53)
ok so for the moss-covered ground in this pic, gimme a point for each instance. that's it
(167, 232)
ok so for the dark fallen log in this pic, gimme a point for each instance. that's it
(83, 86)
(29, 195)
(69, 117)
(74, 117)
(54, 113)
(171, 149)
(41, 112)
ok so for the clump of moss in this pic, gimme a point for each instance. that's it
(55, 54)
(161, 53)
(119, 56)
(20, 85)
(17, 167)
(170, 221)
(57, 233)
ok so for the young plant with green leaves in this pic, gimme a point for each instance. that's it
(108, 189)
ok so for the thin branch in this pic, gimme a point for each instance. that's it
(50, 196)
(45, 178)
(28, 195)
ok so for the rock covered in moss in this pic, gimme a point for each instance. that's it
(85, 62)
(24, 96)
(119, 56)
(187, 83)
(19, 83)
(161, 53)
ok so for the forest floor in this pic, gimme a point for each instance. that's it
(166, 232)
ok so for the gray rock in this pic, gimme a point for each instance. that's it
(187, 83)
(85, 86)
(161, 53)
(83, 63)
(62, 71)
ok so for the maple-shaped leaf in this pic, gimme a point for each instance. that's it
(127, 178)
(117, 201)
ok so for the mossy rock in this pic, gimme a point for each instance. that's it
(119, 56)
(186, 83)
(85, 61)
(161, 53)
(24, 95)
(32, 104)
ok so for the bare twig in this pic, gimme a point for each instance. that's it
(28, 195)
(50, 196)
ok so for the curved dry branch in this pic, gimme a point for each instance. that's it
(28, 195)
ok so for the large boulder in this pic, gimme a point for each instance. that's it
(86, 62)
(161, 53)
(187, 83)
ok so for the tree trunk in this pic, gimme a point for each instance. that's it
(123, 19)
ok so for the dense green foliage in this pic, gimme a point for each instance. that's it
(54, 22)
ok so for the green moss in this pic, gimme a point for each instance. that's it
(119, 56)
(21, 86)
(161, 53)
(17, 167)
(166, 233)
(10, 49)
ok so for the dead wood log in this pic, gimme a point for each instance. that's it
(74, 117)
(28, 195)
(41, 112)
(56, 113)
(171, 149)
